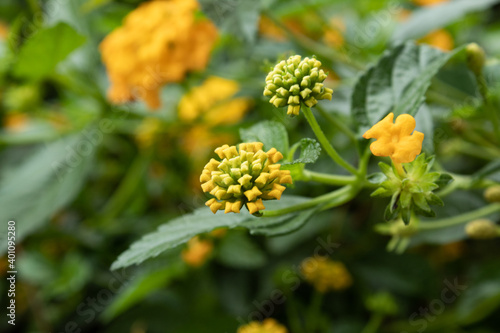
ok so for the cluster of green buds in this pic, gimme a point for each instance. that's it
(244, 177)
(295, 81)
(412, 190)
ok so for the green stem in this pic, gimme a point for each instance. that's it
(460, 219)
(324, 141)
(336, 198)
(127, 187)
(292, 312)
(338, 124)
(325, 178)
(313, 311)
(374, 323)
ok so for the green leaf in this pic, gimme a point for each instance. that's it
(40, 55)
(427, 19)
(489, 169)
(271, 133)
(236, 17)
(280, 225)
(237, 250)
(181, 229)
(45, 182)
(142, 286)
(397, 83)
(478, 301)
(296, 170)
(310, 150)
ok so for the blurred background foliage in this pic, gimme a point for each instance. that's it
(84, 178)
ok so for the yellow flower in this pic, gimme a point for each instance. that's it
(214, 103)
(333, 34)
(16, 122)
(4, 31)
(158, 43)
(244, 178)
(396, 140)
(325, 274)
(440, 39)
(197, 251)
(269, 325)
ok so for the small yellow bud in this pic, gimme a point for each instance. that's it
(492, 193)
(482, 229)
(475, 58)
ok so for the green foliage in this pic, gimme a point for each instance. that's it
(270, 133)
(397, 83)
(179, 230)
(55, 173)
(42, 52)
(436, 17)
(411, 192)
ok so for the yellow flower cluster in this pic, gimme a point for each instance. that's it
(213, 102)
(396, 140)
(244, 177)
(269, 325)
(325, 274)
(197, 251)
(159, 42)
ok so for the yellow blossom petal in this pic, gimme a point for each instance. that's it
(396, 140)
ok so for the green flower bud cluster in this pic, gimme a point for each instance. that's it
(482, 229)
(295, 81)
(412, 191)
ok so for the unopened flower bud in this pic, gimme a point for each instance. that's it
(475, 58)
(296, 81)
(482, 229)
(492, 193)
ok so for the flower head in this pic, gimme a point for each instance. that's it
(159, 42)
(244, 177)
(492, 193)
(325, 274)
(197, 251)
(295, 81)
(269, 325)
(396, 140)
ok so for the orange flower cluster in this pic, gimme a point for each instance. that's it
(158, 43)
(396, 140)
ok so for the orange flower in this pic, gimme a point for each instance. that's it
(197, 251)
(396, 140)
(428, 2)
(440, 39)
(158, 43)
